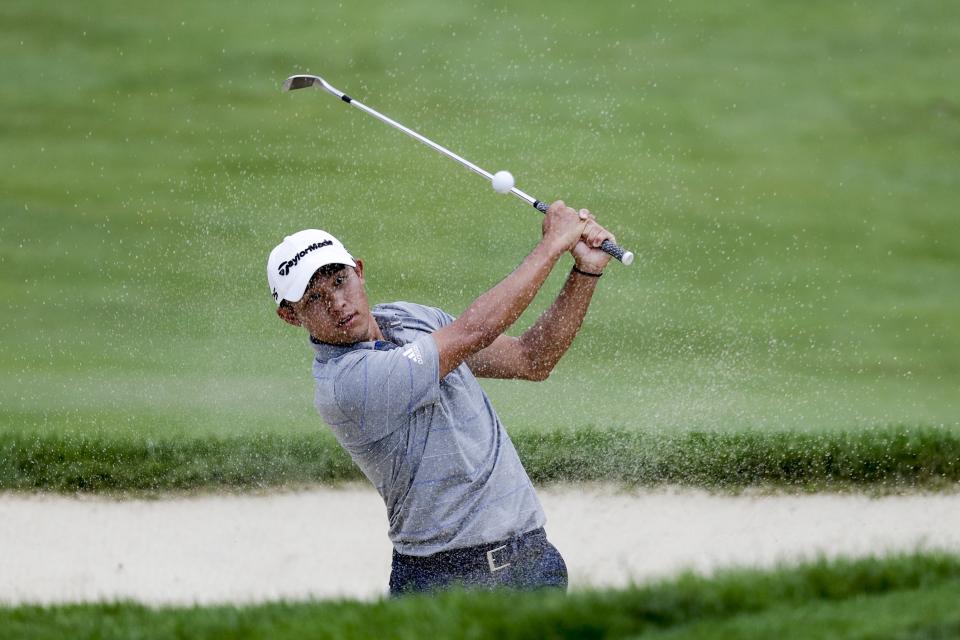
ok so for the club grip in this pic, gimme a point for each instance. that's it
(615, 250)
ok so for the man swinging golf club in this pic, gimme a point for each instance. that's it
(397, 385)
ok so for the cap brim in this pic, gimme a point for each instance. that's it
(308, 266)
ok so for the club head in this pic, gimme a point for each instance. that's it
(301, 82)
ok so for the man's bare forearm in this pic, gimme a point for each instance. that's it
(494, 311)
(549, 338)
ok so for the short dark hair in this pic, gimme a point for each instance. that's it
(326, 270)
(322, 272)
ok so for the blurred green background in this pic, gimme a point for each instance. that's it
(787, 174)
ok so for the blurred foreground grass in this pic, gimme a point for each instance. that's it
(904, 596)
(786, 173)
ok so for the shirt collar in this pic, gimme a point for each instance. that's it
(389, 322)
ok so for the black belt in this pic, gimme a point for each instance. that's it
(493, 556)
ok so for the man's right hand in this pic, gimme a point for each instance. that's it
(563, 226)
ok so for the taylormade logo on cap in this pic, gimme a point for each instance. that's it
(294, 261)
(284, 268)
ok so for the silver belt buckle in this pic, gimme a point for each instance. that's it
(493, 563)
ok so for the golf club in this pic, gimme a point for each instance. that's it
(303, 81)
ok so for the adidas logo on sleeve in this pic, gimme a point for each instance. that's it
(413, 352)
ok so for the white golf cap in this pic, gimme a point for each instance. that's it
(294, 261)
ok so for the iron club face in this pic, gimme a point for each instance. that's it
(304, 81)
(300, 82)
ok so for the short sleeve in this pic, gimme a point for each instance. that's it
(443, 318)
(380, 390)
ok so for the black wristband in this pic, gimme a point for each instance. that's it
(587, 273)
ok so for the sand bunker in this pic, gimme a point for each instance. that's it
(331, 542)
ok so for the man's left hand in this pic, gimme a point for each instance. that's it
(586, 253)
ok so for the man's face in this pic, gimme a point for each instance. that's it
(334, 308)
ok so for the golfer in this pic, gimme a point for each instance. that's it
(397, 384)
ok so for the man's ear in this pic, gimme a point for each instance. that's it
(359, 268)
(288, 315)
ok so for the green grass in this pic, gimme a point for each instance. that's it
(785, 173)
(908, 596)
(892, 459)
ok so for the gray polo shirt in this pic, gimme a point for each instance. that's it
(435, 449)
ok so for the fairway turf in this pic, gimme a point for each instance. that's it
(786, 175)
(903, 596)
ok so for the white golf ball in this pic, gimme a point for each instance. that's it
(502, 181)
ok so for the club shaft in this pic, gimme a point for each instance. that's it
(302, 81)
(436, 147)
